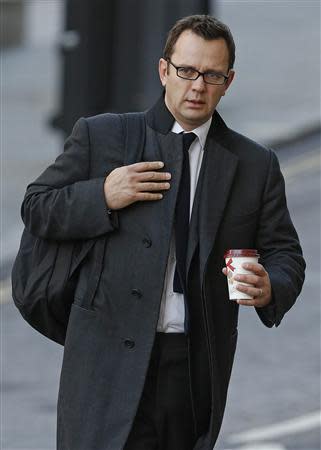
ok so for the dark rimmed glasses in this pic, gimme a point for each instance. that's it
(189, 73)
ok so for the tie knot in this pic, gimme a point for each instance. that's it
(188, 138)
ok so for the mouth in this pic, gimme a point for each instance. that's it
(195, 103)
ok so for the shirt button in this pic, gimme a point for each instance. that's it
(147, 242)
(129, 343)
(137, 293)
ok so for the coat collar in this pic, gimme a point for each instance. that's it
(160, 119)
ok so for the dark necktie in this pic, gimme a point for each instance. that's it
(182, 217)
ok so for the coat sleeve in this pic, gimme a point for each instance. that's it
(279, 246)
(63, 203)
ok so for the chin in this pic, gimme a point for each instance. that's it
(197, 118)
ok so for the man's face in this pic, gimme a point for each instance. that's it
(192, 102)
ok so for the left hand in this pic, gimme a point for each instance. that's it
(260, 288)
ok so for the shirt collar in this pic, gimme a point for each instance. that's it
(201, 131)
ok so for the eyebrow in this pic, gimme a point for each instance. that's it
(188, 66)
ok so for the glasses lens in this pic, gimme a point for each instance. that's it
(214, 78)
(187, 73)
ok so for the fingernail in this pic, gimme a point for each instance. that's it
(160, 164)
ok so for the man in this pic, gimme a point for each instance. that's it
(147, 363)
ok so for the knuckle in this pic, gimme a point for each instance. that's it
(128, 173)
(131, 177)
(241, 287)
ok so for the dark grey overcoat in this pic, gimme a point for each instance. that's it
(239, 203)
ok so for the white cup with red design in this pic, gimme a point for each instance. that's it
(234, 259)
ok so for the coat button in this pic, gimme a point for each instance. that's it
(147, 242)
(137, 293)
(129, 343)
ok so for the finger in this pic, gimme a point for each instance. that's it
(256, 268)
(146, 187)
(258, 303)
(246, 302)
(155, 176)
(147, 165)
(250, 279)
(147, 196)
(224, 270)
(252, 291)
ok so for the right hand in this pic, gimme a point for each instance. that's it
(137, 182)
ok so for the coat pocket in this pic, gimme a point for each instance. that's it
(90, 273)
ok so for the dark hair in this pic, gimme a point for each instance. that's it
(204, 26)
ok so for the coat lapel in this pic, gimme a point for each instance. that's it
(171, 153)
(215, 181)
(193, 237)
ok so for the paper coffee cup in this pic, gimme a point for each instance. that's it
(233, 261)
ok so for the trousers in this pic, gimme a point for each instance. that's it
(165, 416)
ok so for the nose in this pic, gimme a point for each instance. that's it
(199, 84)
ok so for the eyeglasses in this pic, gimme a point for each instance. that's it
(189, 73)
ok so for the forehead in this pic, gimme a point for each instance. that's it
(191, 49)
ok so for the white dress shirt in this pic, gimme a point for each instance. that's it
(172, 311)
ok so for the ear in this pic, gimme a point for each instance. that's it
(162, 70)
(229, 80)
